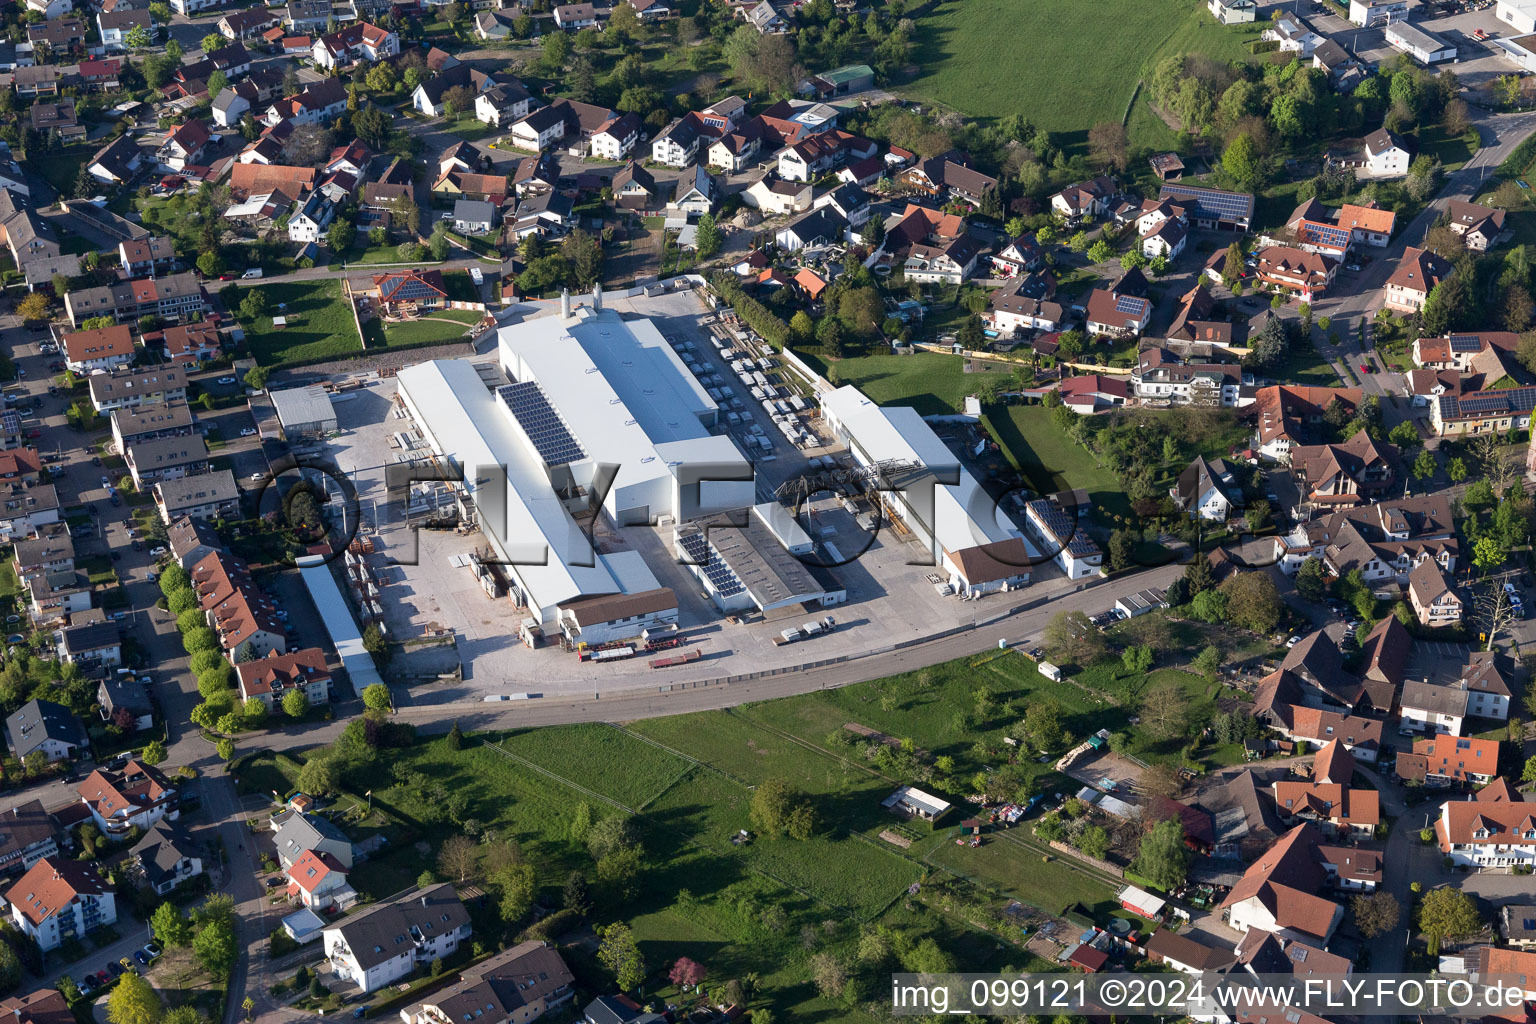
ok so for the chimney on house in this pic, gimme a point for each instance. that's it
(597, 295)
(565, 303)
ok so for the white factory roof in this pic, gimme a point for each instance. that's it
(309, 404)
(965, 516)
(339, 623)
(464, 421)
(622, 391)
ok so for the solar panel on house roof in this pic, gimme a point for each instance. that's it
(1129, 304)
(1214, 201)
(550, 436)
(1325, 234)
(1465, 343)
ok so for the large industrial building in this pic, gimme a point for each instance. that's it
(586, 405)
(744, 562)
(973, 540)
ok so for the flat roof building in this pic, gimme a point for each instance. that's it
(304, 412)
(975, 542)
(743, 564)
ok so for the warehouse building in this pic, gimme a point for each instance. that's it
(974, 542)
(592, 390)
(304, 412)
(594, 413)
(1424, 47)
(744, 565)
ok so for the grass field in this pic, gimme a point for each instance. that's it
(990, 58)
(1049, 460)
(602, 759)
(933, 383)
(320, 326)
(423, 332)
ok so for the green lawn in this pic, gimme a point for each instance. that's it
(1451, 150)
(966, 49)
(931, 382)
(422, 332)
(468, 127)
(1049, 460)
(460, 287)
(61, 166)
(320, 326)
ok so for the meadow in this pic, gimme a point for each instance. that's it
(320, 325)
(1065, 67)
(1049, 460)
(933, 383)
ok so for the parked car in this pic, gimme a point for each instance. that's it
(152, 948)
(247, 431)
(156, 552)
(226, 380)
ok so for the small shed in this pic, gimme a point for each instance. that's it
(1139, 901)
(303, 926)
(914, 802)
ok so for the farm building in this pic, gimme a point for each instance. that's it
(915, 803)
(1139, 901)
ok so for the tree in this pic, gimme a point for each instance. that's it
(779, 808)
(217, 83)
(138, 38)
(1198, 574)
(455, 737)
(254, 711)
(709, 238)
(211, 263)
(1445, 913)
(254, 306)
(133, 1002)
(1163, 858)
(33, 306)
(458, 857)
(557, 49)
(153, 753)
(170, 925)
(575, 895)
(801, 327)
(1070, 637)
(1253, 602)
(1165, 712)
(376, 697)
(11, 970)
(1137, 659)
(320, 775)
(341, 233)
(214, 947)
(256, 376)
(1108, 144)
(685, 973)
(213, 41)
(1241, 162)
(1207, 663)
(1424, 465)
(1209, 606)
(1232, 269)
(1312, 580)
(295, 704)
(1094, 842)
(618, 952)
(1457, 470)
(1101, 252)
(225, 748)
(829, 975)
(1376, 913)
(518, 884)
(1042, 723)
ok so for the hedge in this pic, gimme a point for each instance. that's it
(753, 313)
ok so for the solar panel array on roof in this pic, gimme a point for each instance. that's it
(701, 554)
(1325, 234)
(551, 438)
(1130, 305)
(1465, 343)
(1512, 400)
(1063, 529)
(1213, 201)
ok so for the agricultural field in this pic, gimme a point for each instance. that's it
(968, 50)
(320, 325)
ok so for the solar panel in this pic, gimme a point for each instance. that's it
(1129, 304)
(721, 579)
(1229, 205)
(547, 431)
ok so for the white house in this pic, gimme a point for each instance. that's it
(51, 9)
(1385, 154)
(539, 129)
(616, 139)
(678, 143)
(309, 222)
(135, 797)
(1375, 13)
(1496, 830)
(390, 940)
(1233, 12)
(1056, 534)
(319, 881)
(358, 42)
(58, 900)
(167, 857)
(272, 678)
(1207, 489)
